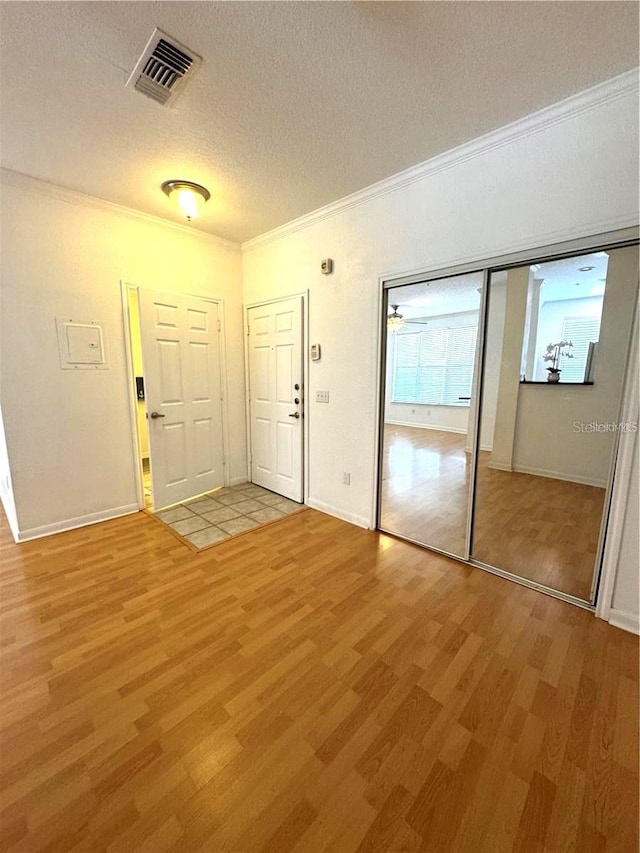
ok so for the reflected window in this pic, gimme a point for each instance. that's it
(564, 308)
(435, 365)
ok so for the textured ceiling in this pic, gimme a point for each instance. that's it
(296, 104)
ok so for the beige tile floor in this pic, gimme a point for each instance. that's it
(211, 518)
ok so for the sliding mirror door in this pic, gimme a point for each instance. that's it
(427, 434)
(555, 356)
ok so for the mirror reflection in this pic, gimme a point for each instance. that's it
(432, 333)
(555, 355)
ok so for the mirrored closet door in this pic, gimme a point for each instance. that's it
(431, 332)
(557, 342)
(501, 414)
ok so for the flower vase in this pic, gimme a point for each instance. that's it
(553, 375)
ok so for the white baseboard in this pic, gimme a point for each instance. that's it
(73, 523)
(626, 621)
(560, 475)
(426, 426)
(237, 481)
(500, 466)
(358, 520)
(551, 475)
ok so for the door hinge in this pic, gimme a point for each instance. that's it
(247, 331)
(219, 326)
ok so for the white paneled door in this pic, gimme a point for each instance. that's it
(181, 353)
(275, 396)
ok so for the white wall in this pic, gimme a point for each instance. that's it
(626, 592)
(69, 432)
(446, 418)
(546, 441)
(6, 482)
(492, 358)
(570, 173)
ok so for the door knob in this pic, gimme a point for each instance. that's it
(295, 415)
(155, 415)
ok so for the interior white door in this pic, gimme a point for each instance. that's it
(181, 353)
(276, 396)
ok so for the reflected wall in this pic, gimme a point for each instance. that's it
(541, 487)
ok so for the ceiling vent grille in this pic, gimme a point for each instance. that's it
(163, 68)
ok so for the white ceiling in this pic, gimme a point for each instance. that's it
(296, 103)
(435, 298)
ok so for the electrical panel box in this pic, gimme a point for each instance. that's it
(80, 345)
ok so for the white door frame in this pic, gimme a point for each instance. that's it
(125, 289)
(304, 295)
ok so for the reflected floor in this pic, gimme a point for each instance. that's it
(542, 529)
(425, 486)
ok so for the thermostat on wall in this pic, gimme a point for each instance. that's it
(316, 352)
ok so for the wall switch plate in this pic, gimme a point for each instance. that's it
(346, 478)
(322, 396)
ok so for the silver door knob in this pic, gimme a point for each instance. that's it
(295, 415)
(155, 415)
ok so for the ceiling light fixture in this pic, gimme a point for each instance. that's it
(585, 269)
(187, 196)
(395, 320)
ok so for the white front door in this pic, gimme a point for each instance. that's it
(181, 354)
(275, 396)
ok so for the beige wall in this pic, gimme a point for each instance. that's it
(69, 433)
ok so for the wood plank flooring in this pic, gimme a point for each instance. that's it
(308, 686)
(541, 529)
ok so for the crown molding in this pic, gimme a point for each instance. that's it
(30, 184)
(575, 105)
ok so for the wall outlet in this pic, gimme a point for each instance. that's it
(346, 478)
(322, 396)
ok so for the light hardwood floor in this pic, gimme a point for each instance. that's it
(541, 529)
(308, 686)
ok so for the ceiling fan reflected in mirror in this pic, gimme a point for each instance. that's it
(396, 321)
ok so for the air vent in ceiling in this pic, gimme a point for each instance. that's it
(163, 68)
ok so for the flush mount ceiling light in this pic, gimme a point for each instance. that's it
(188, 197)
(394, 321)
(585, 269)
